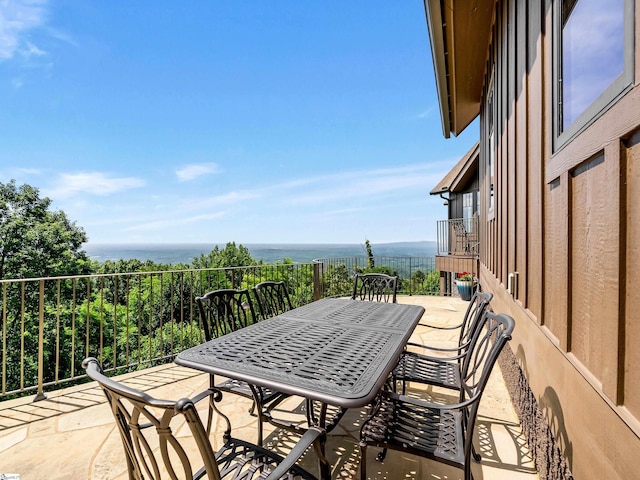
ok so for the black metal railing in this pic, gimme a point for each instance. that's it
(458, 236)
(417, 275)
(131, 321)
(127, 320)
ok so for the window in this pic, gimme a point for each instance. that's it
(468, 211)
(594, 60)
(467, 205)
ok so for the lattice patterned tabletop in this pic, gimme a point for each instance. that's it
(333, 350)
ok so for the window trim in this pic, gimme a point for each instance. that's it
(491, 146)
(608, 97)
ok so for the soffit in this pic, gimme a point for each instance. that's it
(460, 31)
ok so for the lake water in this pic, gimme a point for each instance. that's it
(269, 253)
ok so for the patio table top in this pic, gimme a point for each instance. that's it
(336, 351)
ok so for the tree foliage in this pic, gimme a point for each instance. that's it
(34, 240)
(230, 256)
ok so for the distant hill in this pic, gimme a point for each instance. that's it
(268, 252)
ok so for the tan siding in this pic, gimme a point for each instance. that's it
(503, 119)
(594, 268)
(569, 223)
(521, 190)
(511, 139)
(557, 261)
(535, 162)
(632, 307)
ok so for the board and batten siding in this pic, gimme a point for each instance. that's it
(566, 223)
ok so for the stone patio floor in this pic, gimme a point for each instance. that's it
(71, 434)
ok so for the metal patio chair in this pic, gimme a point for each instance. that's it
(445, 369)
(375, 287)
(157, 444)
(443, 433)
(272, 298)
(223, 311)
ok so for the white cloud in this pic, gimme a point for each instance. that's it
(426, 113)
(226, 199)
(172, 223)
(30, 50)
(26, 171)
(96, 183)
(17, 17)
(191, 172)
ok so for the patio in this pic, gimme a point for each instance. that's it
(71, 434)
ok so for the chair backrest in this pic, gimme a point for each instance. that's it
(272, 298)
(491, 335)
(148, 428)
(375, 287)
(475, 310)
(224, 311)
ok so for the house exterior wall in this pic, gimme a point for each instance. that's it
(566, 223)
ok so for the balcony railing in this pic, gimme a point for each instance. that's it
(131, 321)
(128, 320)
(417, 275)
(458, 236)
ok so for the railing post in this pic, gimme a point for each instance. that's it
(410, 278)
(317, 281)
(40, 395)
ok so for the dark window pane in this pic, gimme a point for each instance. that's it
(592, 52)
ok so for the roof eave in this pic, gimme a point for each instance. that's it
(459, 173)
(460, 32)
(436, 36)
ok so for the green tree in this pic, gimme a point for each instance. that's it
(230, 256)
(370, 258)
(34, 240)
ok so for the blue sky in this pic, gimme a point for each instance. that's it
(215, 121)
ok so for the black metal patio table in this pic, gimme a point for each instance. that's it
(336, 351)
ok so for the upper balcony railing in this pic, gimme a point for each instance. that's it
(458, 236)
(135, 320)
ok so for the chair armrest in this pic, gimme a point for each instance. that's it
(310, 436)
(437, 349)
(440, 327)
(422, 403)
(206, 394)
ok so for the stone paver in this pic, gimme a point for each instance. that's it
(71, 434)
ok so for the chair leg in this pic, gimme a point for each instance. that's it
(381, 455)
(363, 460)
(210, 416)
(227, 433)
(476, 456)
(467, 472)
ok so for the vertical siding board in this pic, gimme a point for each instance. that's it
(632, 299)
(511, 138)
(538, 65)
(535, 162)
(521, 150)
(556, 260)
(503, 219)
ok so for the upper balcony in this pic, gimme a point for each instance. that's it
(458, 249)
